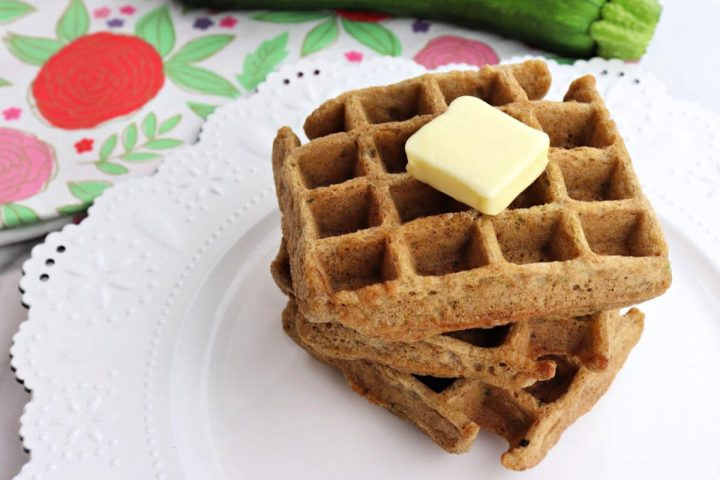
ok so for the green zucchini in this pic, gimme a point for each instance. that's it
(580, 28)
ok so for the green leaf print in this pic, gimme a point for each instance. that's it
(32, 50)
(163, 143)
(72, 209)
(262, 61)
(14, 215)
(202, 110)
(132, 149)
(74, 22)
(140, 156)
(201, 48)
(149, 125)
(11, 10)
(156, 28)
(320, 37)
(290, 17)
(112, 168)
(169, 124)
(374, 36)
(108, 146)
(129, 137)
(4, 83)
(201, 80)
(87, 191)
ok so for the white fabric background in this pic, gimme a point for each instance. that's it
(683, 54)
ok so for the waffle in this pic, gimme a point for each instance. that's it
(451, 411)
(280, 270)
(386, 255)
(505, 356)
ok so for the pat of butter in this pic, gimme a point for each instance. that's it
(478, 155)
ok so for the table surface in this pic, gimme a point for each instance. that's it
(681, 55)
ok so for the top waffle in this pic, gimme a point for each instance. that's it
(380, 252)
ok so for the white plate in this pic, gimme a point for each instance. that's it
(154, 347)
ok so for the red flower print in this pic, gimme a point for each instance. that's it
(353, 56)
(362, 16)
(12, 113)
(102, 12)
(228, 22)
(127, 10)
(96, 78)
(26, 165)
(448, 49)
(84, 145)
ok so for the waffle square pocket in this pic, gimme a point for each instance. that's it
(381, 253)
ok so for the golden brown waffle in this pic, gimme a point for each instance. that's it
(507, 356)
(451, 411)
(382, 253)
(280, 270)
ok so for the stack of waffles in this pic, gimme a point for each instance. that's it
(455, 320)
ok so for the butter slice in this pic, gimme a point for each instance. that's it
(478, 155)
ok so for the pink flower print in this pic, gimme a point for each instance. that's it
(102, 12)
(354, 56)
(448, 49)
(84, 145)
(228, 22)
(12, 113)
(127, 10)
(26, 165)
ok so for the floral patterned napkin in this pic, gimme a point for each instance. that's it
(93, 91)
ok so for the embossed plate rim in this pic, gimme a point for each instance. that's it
(170, 224)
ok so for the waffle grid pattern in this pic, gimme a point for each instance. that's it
(351, 210)
(514, 355)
